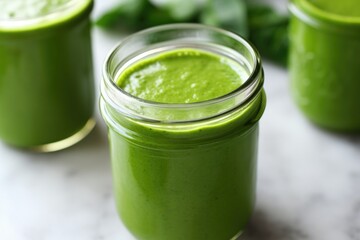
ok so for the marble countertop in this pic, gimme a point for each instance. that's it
(308, 179)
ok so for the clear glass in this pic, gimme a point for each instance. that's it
(324, 66)
(46, 78)
(184, 171)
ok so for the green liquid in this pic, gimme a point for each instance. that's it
(185, 181)
(182, 76)
(347, 8)
(324, 68)
(46, 78)
(25, 9)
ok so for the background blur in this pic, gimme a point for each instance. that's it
(308, 179)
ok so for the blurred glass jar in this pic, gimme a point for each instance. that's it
(184, 171)
(324, 61)
(46, 73)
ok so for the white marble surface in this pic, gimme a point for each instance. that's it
(308, 179)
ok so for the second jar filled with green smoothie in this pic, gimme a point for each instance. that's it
(46, 73)
(324, 61)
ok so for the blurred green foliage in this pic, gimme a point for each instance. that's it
(262, 25)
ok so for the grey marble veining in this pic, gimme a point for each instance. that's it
(308, 179)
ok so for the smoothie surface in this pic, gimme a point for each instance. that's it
(346, 8)
(27, 9)
(182, 76)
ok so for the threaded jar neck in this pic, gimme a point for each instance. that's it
(156, 40)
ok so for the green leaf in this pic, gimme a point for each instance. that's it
(269, 33)
(157, 17)
(264, 26)
(126, 12)
(229, 14)
(178, 10)
(261, 16)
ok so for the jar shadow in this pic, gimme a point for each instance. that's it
(351, 136)
(97, 138)
(263, 227)
(89, 156)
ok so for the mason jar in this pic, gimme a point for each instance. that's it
(187, 170)
(46, 73)
(324, 62)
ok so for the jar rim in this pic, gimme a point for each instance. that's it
(60, 14)
(253, 83)
(322, 14)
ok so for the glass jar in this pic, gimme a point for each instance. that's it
(46, 73)
(324, 65)
(184, 171)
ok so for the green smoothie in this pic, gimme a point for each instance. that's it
(29, 9)
(173, 77)
(191, 180)
(46, 78)
(343, 8)
(324, 70)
